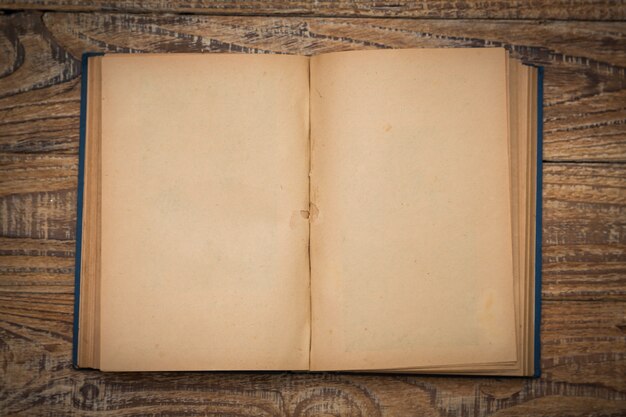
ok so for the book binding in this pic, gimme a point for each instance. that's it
(79, 197)
(538, 223)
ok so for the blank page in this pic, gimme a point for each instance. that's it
(411, 248)
(204, 247)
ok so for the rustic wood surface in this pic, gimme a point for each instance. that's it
(468, 9)
(584, 317)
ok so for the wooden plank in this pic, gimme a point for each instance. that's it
(583, 340)
(584, 244)
(472, 9)
(584, 220)
(31, 173)
(584, 231)
(584, 362)
(585, 82)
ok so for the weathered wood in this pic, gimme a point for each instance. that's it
(585, 81)
(584, 227)
(584, 364)
(584, 231)
(584, 322)
(584, 211)
(472, 9)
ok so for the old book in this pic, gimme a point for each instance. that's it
(370, 211)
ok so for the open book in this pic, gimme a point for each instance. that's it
(359, 211)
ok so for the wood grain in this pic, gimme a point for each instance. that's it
(472, 9)
(584, 221)
(585, 76)
(584, 317)
(584, 231)
(583, 361)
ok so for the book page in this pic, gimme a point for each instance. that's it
(204, 242)
(411, 247)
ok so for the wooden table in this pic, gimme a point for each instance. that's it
(583, 48)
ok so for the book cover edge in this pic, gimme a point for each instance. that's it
(79, 210)
(538, 222)
(79, 197)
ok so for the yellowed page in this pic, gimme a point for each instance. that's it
(204, 248)
(411, 246)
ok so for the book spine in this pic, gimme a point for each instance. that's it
(539, 221)
(79, 198)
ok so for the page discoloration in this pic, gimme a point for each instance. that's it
(411, 252)
(204, 159)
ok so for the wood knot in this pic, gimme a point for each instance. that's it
(89, 392)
